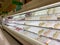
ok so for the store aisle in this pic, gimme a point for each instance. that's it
(3, 40)
(10, 39)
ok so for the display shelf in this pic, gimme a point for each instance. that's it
(40, 34)
(39, 29)
(35, 20)
(39, 26)
(34, 33)
(42, 19)
(43, 22)
(45, 36)
(48, 24)
(16, 36)
(49, 41)
(24, 36)
(50, 38)
(40, 23)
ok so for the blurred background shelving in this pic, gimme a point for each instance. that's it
(40, 26)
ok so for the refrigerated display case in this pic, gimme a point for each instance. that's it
(40, 26)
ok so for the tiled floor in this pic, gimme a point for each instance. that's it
(6, 39)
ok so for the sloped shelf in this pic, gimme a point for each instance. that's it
(23, 36)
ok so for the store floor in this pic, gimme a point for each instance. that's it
(6, 38)
(3, 40)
